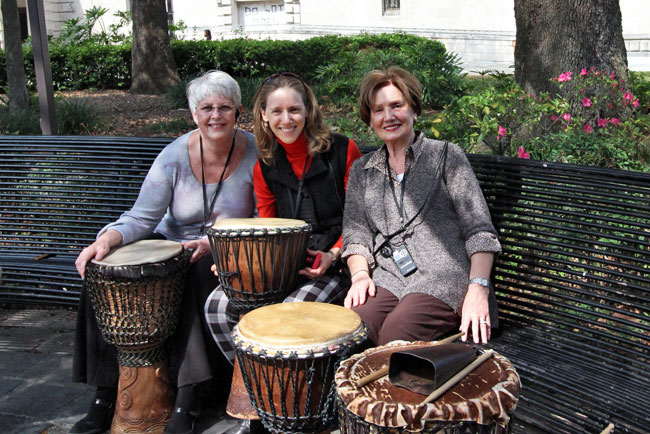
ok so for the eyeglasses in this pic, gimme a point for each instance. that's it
(223, 109)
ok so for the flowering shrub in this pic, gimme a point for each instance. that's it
(596, 121)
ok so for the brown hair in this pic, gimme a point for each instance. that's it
(398, 77)
(317, 132)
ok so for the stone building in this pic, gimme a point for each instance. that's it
(481, 32)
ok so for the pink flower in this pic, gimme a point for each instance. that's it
(610, 105)
(502, 131)
(635, 103)
(581, 91)
(587, 128)
(586, 102)
(554, 118)
(615, 121)
(611, 75)
(602, 123)
(583, 72)
(565, 76)
(566, 116)
(628, 96)
(523, 153)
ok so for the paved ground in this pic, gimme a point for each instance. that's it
(36, 394)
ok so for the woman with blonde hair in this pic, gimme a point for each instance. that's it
(302, 174)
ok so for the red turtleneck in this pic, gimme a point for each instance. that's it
(296, 154)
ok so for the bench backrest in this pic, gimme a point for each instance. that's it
(56, 192)
(576, 251)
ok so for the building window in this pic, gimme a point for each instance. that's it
(390, 7)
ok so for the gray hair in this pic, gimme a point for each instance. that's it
(212, 83)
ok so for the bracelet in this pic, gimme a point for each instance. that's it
(359, 271)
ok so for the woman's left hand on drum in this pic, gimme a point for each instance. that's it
(325, 263)
(201, 248)
(97, 250)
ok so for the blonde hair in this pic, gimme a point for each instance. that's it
(398, 77)
(317, 132)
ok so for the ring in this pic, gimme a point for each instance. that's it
(482, 321)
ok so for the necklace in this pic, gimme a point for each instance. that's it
(207, 211)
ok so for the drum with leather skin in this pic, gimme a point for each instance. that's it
(288, 354)
(482, 402)
(136, 292)
(257, 259)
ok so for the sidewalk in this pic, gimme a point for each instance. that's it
(36, 393)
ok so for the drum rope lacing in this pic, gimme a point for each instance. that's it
(252, 285)
(319, 368)
(138, 315)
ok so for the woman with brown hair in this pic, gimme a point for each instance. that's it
(302, 174)
(417, 233)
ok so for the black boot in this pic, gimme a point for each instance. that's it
(185, 413)
(246, 426)
(100, 413)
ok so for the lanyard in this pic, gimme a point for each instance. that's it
(441, 160)
(208, 210)
(400, 204)
(301, 181)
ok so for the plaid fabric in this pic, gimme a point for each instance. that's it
(222, 317)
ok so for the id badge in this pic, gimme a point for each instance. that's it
(404, 262)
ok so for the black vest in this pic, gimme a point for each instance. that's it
(322, 195)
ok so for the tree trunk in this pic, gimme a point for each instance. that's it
(556, 36)
(14, 57)
(153, 68)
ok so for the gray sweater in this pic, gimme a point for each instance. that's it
(454, 223)
(171, 198)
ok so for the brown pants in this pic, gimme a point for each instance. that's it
(417, 317)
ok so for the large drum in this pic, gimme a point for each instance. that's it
(258, 259)
(288, 354)
(480, 403)
(135, 292)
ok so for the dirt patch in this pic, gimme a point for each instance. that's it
(125, 114)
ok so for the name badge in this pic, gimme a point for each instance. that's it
(404, 261)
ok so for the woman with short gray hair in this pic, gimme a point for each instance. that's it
(202, 176)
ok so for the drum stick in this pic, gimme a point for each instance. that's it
(456, 378)
(609, 429)
(384, 371)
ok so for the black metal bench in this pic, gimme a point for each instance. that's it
(573, 285)
(56, 192)
(573, 281)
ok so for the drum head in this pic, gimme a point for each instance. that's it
(141, 252)
(254, 224)
(298, 325)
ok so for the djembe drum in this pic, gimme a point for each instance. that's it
(480, 403)
(258, 259)
(135, 292)
(288, 354)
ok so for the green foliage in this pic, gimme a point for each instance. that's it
(640, 86)
(91, 30)
(172, 128)
(176, 96)
(437, 70)
(597, 122)
(76, 117)
(22, 123)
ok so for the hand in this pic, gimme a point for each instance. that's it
(476, 314)
(325, 263)
(97, 250)
(201, 248)
(362, 288)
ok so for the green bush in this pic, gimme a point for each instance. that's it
(21, 123)
(597, 123)
(437, 70)
(76, 117)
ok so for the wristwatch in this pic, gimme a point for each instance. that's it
(481, 281)
(332, 257)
